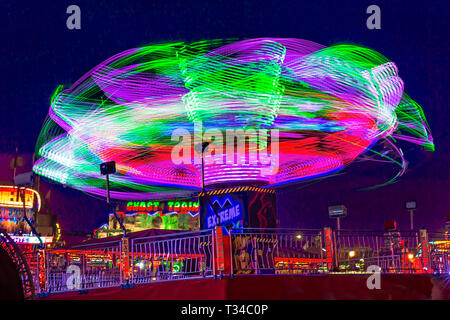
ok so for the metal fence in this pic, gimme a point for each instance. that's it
(277, 251)
(191, 255)
(439, 247)
(113, 263)
(174, 257)
(32, 260)
(391, 251)
(291, 251)
(81, 267)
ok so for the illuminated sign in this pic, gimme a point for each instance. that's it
(220, 249)
(337, 211)
(11, 208)
(228, 209)
(30, 239)
(144, 215)
(410, 205)
(154, 220)
(13, 214)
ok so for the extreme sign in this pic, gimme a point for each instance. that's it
(230, 208)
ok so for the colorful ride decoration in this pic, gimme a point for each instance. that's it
(306, 109)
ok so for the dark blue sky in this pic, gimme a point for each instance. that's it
(39, 53)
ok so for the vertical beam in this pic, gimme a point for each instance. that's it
(329, 248)
(125, 260)
(425, 250)
(222, 248)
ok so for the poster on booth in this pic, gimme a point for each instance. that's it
(231, 208)
(262, 210)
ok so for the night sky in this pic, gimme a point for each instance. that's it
(39, 53)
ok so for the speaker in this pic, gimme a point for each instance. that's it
(108, 167)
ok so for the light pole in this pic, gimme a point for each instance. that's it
(204, 147)
(201, 149)
(218, 241)
(106, 169)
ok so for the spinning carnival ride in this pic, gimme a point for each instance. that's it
(328, 106)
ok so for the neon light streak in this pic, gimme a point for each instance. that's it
(331, 105)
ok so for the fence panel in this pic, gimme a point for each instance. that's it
(175, 257)
(252, 251)
(394, 252)
(98, 266)
(277, 251)
(439, 252)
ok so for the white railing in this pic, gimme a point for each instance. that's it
(391, 251)
(191, 255)
(277, 251)
(80, 267)
(175, 257)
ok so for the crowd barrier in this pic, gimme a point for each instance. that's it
(275, 251)
(221, 252)
(174, 257)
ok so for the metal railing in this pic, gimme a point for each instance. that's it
(108, 264)
(391, 251)
(173, 257)
(439, 247)
(80, 267)
(276, 251)
(22, 264)
(195, 254)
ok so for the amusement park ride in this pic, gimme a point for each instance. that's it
(295, 110)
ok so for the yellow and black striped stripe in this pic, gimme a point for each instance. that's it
(237, 189)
